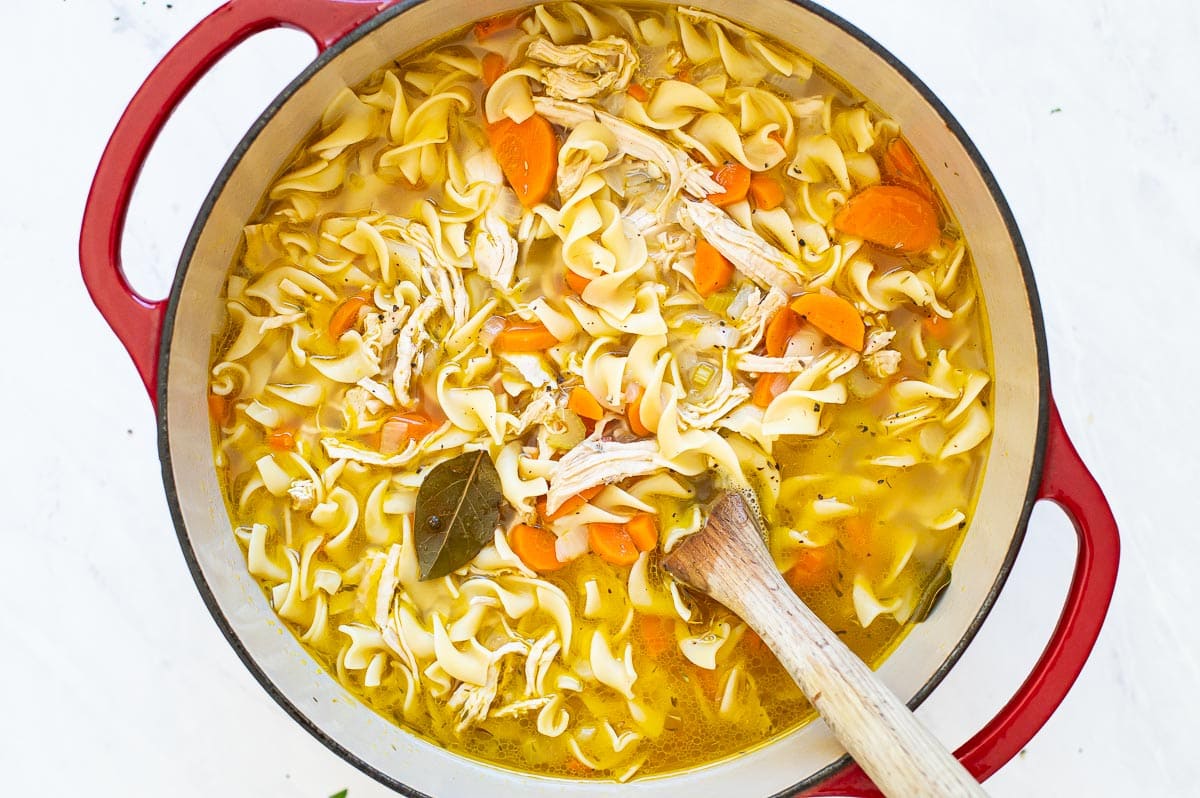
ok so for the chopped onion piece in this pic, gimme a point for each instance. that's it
(572, 545)
(490, 329)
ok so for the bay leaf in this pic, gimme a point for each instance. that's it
(458, 507)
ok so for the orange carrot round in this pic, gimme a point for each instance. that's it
(576, 282)
(833, 316)
(735, 179)
(519, 335)
(780, 329)
(528, 155)
(584, 404)
(613, 543)
(890, 216)
(220, 409)
(345, 316)
(766, 192)
(712, 271)
(810, 570)
(658, 634)
(638, 92)
(938, 329)
(634, 413)
(570, 505)
(900, 167)
(400, 428)
(643, 529)
(767, 388)
(493, 68)
(281, 441)
(535, 547)
(488, 27)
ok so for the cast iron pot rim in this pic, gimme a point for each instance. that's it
(368, 27)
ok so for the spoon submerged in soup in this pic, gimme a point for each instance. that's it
(727, 560)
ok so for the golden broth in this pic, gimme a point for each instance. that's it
(864, 513)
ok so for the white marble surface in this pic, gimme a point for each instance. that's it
(115, 681)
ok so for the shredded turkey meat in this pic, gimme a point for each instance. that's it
(683, 172)
(593, 463)
(579, 71)
(745, 249)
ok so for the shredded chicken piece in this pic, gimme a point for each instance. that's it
(472, 702)
(380, 328)
(337, 450)
(766, 265)
(596, 462)
(536, 412)
(518, 708)
(882, 364)
(753, 322)
(684, 173)
(304, 495)
(410, 349)
(877, 340)
(579, 71)
(495, 251)
(359, 402)
(759, 364)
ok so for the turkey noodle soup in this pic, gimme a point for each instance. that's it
(514, 312)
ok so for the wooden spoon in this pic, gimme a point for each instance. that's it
(728, 560)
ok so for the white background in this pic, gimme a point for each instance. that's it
(115, 681)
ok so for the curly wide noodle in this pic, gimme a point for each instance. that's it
(396, 197)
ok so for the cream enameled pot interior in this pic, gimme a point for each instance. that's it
(410, 764)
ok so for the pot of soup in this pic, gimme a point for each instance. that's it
(486, 307)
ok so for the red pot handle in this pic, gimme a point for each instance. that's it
(1066, 482)
(136, 320)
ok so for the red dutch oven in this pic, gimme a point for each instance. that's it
(1030, 458)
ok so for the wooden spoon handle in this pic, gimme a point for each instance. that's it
(880, 732)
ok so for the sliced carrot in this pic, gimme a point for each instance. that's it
(577, 767)
(706, 679)
(833, 316)
(890, 216)
(938, 328)
(576, 282)
(900, 167)
(399, 429)
(857, 534)
(633, 413)
(535, 547)
(570, 505)
(519, 335)
(643, 528)
(753, 644)
(735, 179)
(768, 387)
(488, 27)
(638, 92)
(281, 441)
(766, 192)
(712, 271)
(584, 404)
(810, 570)
(345, 315)
(220, 409)
(613, 543)
(528, 156)
(493, 68)
(658, 634)
(777, 137)
(780, 329)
